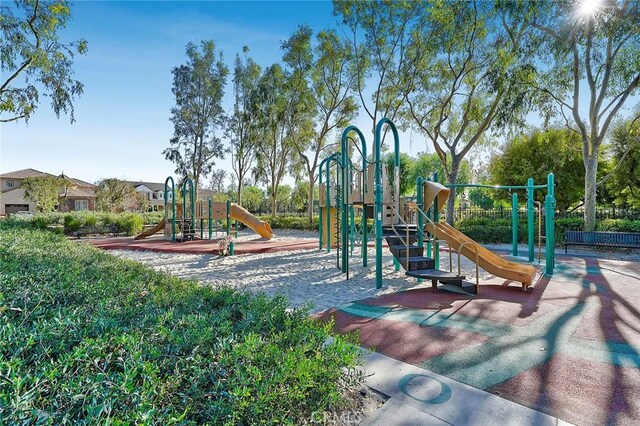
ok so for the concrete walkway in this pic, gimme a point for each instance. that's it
(421, 397)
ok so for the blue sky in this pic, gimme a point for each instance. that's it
(122, 119)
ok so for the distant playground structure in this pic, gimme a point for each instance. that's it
(185, 221)
(352, 197)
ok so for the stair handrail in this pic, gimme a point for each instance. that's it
(475, 250)
(406, 226)
(539, 230)
(434, 239)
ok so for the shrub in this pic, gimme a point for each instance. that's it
(291, 222)
(88, 338)
(72, 223)
(152, 218)
(129, 223)
(618, 225)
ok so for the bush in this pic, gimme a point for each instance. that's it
(618, 225)
(491, 231)
(88, 338)
(291, 222)
(152, 218)
(72, 223)
(129, 223)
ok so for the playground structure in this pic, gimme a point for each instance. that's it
(183, 222)
(349, 196)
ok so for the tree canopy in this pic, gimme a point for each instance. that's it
(536, 155)
(586, 57)
(198, 87)
(44, 191)
(35, 63)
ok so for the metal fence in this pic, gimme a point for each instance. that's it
(505, 213)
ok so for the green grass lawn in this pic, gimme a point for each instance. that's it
(87, 338)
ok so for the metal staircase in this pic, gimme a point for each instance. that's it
(402, 241)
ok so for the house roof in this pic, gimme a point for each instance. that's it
(154, 186)
(78, 181)
(205, 193)
(24, 173)
(79, 193)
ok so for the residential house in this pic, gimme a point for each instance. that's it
(154, 191)
(78, 195)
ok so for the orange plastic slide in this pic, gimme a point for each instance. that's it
(487, 260)
(149, 232)
(258, 226)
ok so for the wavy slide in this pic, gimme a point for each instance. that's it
(487, 260)
(149, 232)
(258, 226)
(238, 213)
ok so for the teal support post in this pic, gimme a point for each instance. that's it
(322, 163)
(210, 219)
(420, 204)
(514, 224)
(436, 219)
(328, 202)
(427, 210)
(173, 205)
(378, 188)
(229, 226)
(346, 187)
(549, 208)
(191, 201)
(530, 219)
(327, 205)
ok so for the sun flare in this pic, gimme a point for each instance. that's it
(589, 7)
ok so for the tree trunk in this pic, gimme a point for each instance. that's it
(310, 208)
(239, 197)
(590, 180)
(274, 205)
(452, 178)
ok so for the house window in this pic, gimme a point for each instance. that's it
(82, 205)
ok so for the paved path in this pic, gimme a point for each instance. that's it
(421, 397)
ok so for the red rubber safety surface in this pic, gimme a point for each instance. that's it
(591, 375)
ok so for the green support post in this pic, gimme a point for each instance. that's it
(420, 204)
(345, 188)
(173, 205)
(436, 219)
(210, 219)
(550, 207)
(320, 208)
(514, 224)
(427, 210)
(328, 204)
(530, 219)
(229, 226)
(378, 188)
(191, 199)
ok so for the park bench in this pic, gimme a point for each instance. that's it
(94, 230)
(601, 239)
